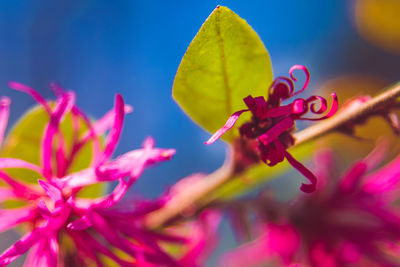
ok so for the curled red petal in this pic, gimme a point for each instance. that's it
(228, 125)
(281, 88)
(306, 188)
(331, 112)
(306, 72)
(323, 106)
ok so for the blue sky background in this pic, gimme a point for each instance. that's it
(99, 48)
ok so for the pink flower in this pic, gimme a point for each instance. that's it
(54, 212)
(272, 123)
(351, 221)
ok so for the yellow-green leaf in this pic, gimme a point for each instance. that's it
(225, 62)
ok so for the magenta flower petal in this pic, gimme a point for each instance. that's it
(53, 192)
(331, 112)
(132, 163)
(323, 105)
(281, 88)
(334, 107)
(228, 125)
(273, 153)
(306, 188)
(278, 111)
(23, 245)
(4, 114)
(33, 93)
(88, 243)
(277, 242)
(6, 193)
(276, 130)
(52, 251)
(105, 123)
(352, 179)
(80, 224)
(43, 209)
(19, 189)
(203, 239)
(88, 249)
(299, 107)
(385, 180)
(63, 106)
(324, 165)
(115, 196)
(77, 179)
(103, 227)
(39, 255)
(113, 137)
(377, 155)
(6, 163)
(90, 134)
(257, 105)
(306, 72)
(10, 218)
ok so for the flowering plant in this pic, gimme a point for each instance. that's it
(71, 200)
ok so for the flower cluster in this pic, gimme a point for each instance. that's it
(272, 123)
(54, 212)
(350, 221)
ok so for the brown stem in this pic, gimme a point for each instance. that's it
(187, 198)
(184, 199)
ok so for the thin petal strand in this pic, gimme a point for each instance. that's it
(228, 125)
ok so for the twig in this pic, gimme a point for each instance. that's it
(342, 118)
(184, 199)
(187, 198)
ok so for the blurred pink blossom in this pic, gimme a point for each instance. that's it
(350, 221)
(54, 211)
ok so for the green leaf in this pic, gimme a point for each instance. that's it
(225, 62)
(24, 142)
